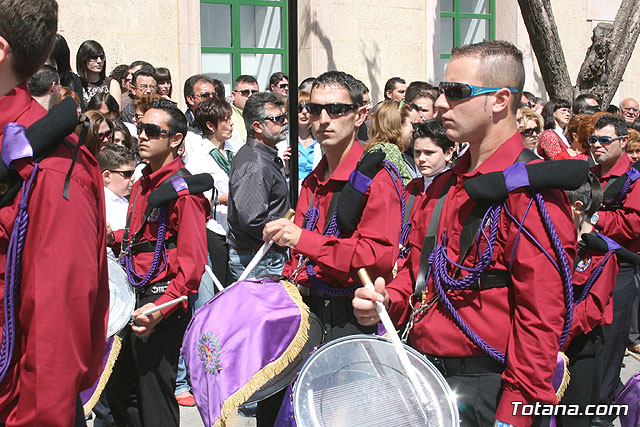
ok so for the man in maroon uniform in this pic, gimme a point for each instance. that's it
(620, 222)
(63, 293)
(148, 362)
(517, 309)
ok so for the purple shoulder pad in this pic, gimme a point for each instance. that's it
(516, 176)
(15, 144)
(179, 184)
(359, 181)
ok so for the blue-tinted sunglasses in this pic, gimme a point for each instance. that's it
(457, 90)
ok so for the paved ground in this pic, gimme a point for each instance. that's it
(189, 417)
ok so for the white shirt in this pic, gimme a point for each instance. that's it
(200, 161)
(116, 209)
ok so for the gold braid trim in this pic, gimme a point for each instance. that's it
(274, 368)
(106, 374)
(566, 378)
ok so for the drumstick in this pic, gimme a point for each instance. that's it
(261, 252)
(395, 339)
(214, 278)
(163, 306)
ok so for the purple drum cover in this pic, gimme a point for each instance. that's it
(241, 339)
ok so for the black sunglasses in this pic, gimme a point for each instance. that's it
(283, 85)
(280, 118)
(530, 132)
(205, 95)
(302, 107)
(457, 90)
(125, 174)
(418, 108)
(105, 134)
(603, 140)
(153, 131)
(96, 57)
(247, 92)
(335, 109)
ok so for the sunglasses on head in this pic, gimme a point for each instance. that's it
(530, 132)
(125, 174)
(603, 140)
(153, 131)
(457, 90)
(247, 92)
(335, 109)
(280, 118)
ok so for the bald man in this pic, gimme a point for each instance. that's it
(630, 110)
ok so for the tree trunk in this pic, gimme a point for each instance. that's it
(543, 34)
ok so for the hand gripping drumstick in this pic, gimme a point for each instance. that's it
(395, 339)
(261, 252)
(162, 306)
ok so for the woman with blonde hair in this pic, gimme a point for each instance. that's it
(390, 133)
(532, 125)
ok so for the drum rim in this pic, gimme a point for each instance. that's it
(441, 379)
(131, 300)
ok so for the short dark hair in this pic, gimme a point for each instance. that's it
(342, 79)
(42, 80)
(142, 72)
(306, 84)
(423, 94)
(391, 84)
(119, 74)
(636, 125)
(617, 122)
(580, 103)
(529, 95)
(177, 121)
(104, 98)
(416, 88)
(243, 78)
(551, 107)
(211, 110)
(363, 89)
(435, 130)
(113, 156)
(590, 193)
(254, 109)
(30, 27)
(218, 88)
(276, 77)
(143, 64)
(613, 109)
(87, 49)
(502, 65)
(190, 83)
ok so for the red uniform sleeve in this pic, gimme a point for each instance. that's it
(64, 299)
(191, 248)
(623, 225)
(374, 244)
(538, 306)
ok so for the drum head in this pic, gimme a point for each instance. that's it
(359, 381)
(282, 380)
(122, 298)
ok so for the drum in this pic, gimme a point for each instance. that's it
(122, 297)
(247, 344)
(359, 381)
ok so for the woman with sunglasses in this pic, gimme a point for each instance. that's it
(91, 65)
(100, 132)
(390, 133)
(553, 141)
(309, 151)
(531, 128)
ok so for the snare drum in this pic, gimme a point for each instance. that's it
(122, 298)
(247, 344)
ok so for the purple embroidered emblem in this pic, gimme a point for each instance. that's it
(209, 353)
(154, 215)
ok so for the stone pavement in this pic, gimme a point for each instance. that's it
(189, 417)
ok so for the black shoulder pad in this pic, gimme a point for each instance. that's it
(168, 190)
(613, 190)
(349, 205)
(595, 242)
(557, 174)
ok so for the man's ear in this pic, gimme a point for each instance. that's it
(106, 177)
(361, 114)
(176, 140)
(5, 49)
(502, 100)
(52, 88)
(190, 100)
(257, 127)
(624, 141)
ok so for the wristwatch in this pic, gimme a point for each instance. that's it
(594, 219)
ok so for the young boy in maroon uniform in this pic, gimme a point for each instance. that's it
(148, 362)
(62, 296)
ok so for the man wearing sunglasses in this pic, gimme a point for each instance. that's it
(197, 88)
(522, 313)
(147, 365)
(243, 88)
(258, 191)
(279, 85)
(622, 224)
(55, 324)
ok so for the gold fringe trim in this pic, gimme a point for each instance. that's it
(274, 368)
(106, 374)
(566, 378)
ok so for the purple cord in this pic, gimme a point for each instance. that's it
(406, 227)
(137, 280)
(625, 190)
(593, 278)
(13, 275)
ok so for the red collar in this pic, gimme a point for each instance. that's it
(150, 179)
(344, 169)
(621, 166)
(500, 160)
